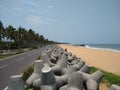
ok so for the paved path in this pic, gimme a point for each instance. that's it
(15, 65)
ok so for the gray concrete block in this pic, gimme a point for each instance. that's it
(114, 87)
(47, 79)
(16, 83)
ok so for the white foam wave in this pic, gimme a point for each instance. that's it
(87, 46)
(98, 48)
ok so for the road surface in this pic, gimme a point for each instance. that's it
(15, 65)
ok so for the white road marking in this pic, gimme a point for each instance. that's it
(3, 66)
(6, 88)
(11, 62)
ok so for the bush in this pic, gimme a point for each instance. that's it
(33, 47)
(27, 72)
(38, 58)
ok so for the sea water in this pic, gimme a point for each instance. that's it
(111, 47)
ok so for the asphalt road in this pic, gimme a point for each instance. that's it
(15, 65)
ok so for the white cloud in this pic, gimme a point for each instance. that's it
(35, 20)
(31, 3)
(52, 20)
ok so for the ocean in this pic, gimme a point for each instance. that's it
(111, 47)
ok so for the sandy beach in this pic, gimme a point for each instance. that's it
(103, 59)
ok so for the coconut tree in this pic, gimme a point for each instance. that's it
(31, 34)
(42, 38)
(10, 34)
(1, 31)
(20, 37)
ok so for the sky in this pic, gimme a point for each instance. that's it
(73, 21)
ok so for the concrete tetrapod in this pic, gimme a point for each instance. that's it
(67, 73)
(75, 82)
(47, 79)
(55, 56)
(92, 80)
(36, 84)
(60, 80)
(46, 59)
(92, 84)
(86, 68)
(79, 65)
(71, 57)
(36, 74)
(16, 83)
(63, 80)
(114, 87)
(58, 69)
(75, 61)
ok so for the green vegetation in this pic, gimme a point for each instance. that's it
(27, 72)
(4, 56)
(38, 58)
(28, 88)
(17, 38)
(33, 47)
(109, 78)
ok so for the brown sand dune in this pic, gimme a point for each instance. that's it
(103, 59)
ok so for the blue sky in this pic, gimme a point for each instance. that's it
(74, 21)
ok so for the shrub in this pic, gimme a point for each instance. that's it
(33, 47)
(27, 72)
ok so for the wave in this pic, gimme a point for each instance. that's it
(100, 48)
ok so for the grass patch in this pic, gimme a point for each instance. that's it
(38, 58)
(27, 72)
(29, 88)
(4, 56)
(109, 78)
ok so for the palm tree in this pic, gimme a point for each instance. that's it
(3, 35)
(42, 39)
(10, 30)
(1, 31)
(20, 37)
(10, 34)
(31, 34)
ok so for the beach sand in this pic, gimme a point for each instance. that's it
(102, 59)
